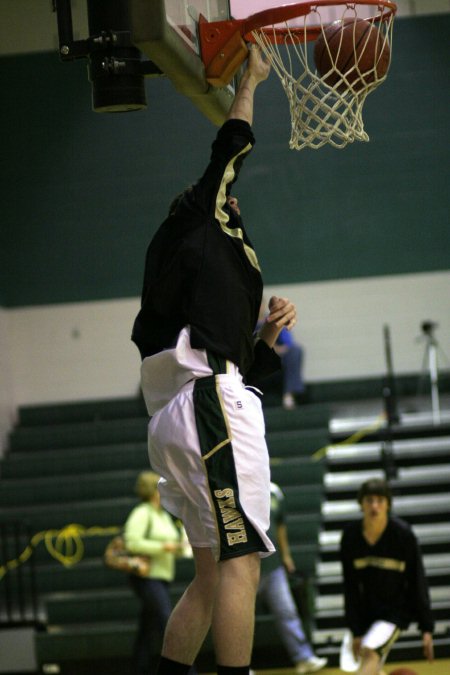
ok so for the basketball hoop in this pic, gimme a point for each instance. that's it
(325, 108)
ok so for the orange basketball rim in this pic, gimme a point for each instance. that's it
(324, 110)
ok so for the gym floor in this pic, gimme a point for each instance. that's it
(438, 667)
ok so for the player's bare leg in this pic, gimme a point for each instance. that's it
(370, 663)
(191, 618)
(234, 610)
(222, 594)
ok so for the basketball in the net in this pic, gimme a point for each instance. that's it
(357, 53)
(403, 671)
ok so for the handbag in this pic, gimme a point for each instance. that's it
(117, 557)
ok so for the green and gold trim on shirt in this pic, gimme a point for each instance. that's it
(223, 217)
(380, 563)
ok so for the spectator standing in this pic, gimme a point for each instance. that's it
(150, 531)
(274, 589)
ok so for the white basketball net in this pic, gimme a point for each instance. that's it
(321, 113)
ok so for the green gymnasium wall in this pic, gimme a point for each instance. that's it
(82, 193)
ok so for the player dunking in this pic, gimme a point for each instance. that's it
(200, 303)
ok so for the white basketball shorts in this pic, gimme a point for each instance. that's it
(208, 445)
(380, 637)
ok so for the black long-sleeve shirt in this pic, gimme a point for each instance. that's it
(201, 269)
(384, 581)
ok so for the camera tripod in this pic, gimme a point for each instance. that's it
(430, 364)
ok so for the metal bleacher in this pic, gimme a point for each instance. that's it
(73, 468)
(77, 464)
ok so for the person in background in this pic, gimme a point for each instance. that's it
(151, 531)
(274, 589)
(291, 355)
(384, 581)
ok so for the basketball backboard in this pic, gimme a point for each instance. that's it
(166, 31)
(240, 9)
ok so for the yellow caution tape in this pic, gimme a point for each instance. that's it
(65, 545)
(354, 438)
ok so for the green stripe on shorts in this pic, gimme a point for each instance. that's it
(236, 534)
(217, 363)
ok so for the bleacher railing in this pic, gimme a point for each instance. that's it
(18, 588)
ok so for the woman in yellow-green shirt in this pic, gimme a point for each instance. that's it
(151, 531)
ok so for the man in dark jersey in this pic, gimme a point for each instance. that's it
(384, 580)
(195, 332)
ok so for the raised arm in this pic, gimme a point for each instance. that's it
(257, 71)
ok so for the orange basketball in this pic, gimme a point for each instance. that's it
(356, 49)
(403, 671)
